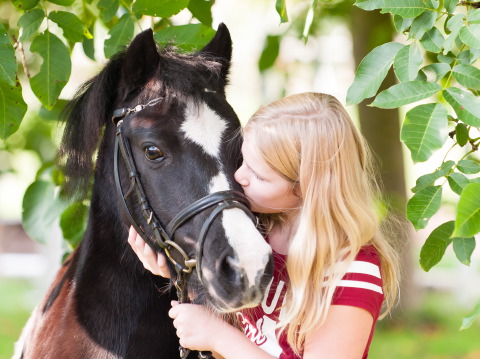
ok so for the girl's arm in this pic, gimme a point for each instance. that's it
(344, 335)
(200, 329)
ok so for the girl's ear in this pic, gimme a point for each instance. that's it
(221, 47)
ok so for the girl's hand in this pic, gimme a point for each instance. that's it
(157, 264)
(197, 327)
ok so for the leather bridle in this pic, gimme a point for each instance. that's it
(163, 236)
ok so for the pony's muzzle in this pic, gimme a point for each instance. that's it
(238, 289)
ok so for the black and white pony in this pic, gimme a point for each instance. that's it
(172, 123)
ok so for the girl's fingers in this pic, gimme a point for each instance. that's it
(173, 312)
(132, 235)
(157, 264)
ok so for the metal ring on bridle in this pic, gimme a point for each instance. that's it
(189, 263)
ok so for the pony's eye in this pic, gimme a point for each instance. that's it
(153, 153)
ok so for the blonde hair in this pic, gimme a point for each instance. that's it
(310, 140)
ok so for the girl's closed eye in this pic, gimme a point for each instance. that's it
(257, 176)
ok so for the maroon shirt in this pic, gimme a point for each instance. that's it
(360, 287)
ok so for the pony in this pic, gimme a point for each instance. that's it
(166, 144)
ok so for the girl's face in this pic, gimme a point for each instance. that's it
(267, 191)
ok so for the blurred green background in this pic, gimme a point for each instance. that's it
(426, 323)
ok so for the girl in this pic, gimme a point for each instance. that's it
(306, 172)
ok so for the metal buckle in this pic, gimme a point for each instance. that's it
(189, 264)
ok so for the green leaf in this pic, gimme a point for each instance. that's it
(457, 182)
(449, 58)
(422, 24)
(405, 93)
(55, 70)
(25, 4)
(470, 35)
(281, 7)
(89, 48)
(465, 104)
(433, 40)
(454, 25)
(473, 16)
(372, 71)
(435, 245)
(41, 208)
(463, 248)
(164, 8)
(73, 29)
(461, 134)
(468, 57)
(369, 4)
(309, 19)
(187, 37)
(120, 35)
(404, 8)
(407, 62)
(73, 223)
(8, 63)
(30, 22)
(202, 10)
(402, 24)
(269, 53)
(62, 2)
(468, 167)
(423, 205)
(425, 130)
(108, 9)
(450, 5)
(429, 179)
(470, 319)
(467, 75)
(433, 4)
(12, 109)
(467, 223)
(436, 71)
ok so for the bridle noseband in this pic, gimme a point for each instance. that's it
(219, 201)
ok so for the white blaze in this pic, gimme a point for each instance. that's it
(247, 243)
(204, 126)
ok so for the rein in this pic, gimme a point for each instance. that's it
(163, 236)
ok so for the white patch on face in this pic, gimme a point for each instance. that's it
(204, 126)
(248, 244)
(219, 183)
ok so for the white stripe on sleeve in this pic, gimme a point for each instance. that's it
(364, 268)
(359, 284)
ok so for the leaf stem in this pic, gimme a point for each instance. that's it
(447, 83)
(19, 47)
(446, 154)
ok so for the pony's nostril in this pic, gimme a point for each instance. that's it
(232, 262)
(230, 269)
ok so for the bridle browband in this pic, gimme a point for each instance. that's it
(163, 236)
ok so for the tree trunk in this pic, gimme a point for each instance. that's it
(381, 128)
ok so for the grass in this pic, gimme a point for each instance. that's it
(431, 332)
(15, 309)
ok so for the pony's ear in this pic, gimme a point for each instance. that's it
(221, 47)
(140, 62)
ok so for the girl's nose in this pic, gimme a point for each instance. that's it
(240, 176)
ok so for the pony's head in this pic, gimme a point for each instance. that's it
(182, 137)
